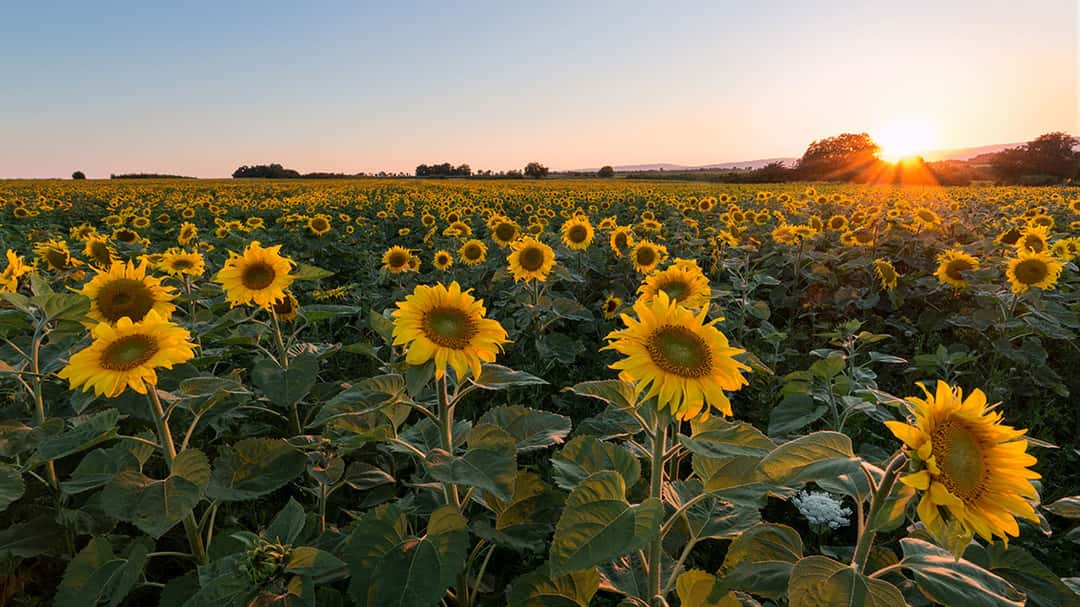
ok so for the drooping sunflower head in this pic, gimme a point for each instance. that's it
(927, 218)
(951, 267)
(446, 325)
(318, 225)
(974, 470)
(678, 357)
(396, 259)
(684, 283)
(286, 308)
(443, 259)
(530, 259)
(473, 252)
(647, 255)
(577, 233)
(505, 232)
(127, 355)
(1029, 269)
(258, 276)
(125, 291)
(125, 235)
(1033, 238)
(621, 239)
(886, 273)
(56, 255)
(178, 262)
(188, 233)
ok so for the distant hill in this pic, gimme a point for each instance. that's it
(931, 156)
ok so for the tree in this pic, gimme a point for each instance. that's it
(271, 171)
(1047, 158)
(78, 175)
(535, 170)
(606, 171)
(841, 157)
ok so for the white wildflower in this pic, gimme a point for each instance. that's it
(822, 509)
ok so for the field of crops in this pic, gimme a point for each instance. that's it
(550, 393)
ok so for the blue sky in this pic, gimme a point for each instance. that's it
(199, 88)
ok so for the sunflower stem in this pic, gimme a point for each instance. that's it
(168, 450)
(39, 400)
(446, 437)
(878, 498)
(656, 484)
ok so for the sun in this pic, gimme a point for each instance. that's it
(903, 139)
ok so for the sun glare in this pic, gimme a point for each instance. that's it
(904, 139)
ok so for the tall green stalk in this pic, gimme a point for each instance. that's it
(656, 484)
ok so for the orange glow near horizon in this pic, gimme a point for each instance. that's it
(904, 139)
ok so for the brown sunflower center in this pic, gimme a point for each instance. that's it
(397, 259)
(473, 252)
(505, 231)
(57, 258)
(679, 351)
(126, 236)
(449, 327)
(864, 235)
(531, 258)
(128, 352)
(958, 452)
(577, 233)
(320, 224)
(645, 256)
(258, 275)
(284, 306)
(1031, 271)
(1034, 243)
(100, 252)
(620, 240)
(676, 289)
(124, 297)
(926, 215)
(955, 267)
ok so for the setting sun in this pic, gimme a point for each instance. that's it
(904, 139)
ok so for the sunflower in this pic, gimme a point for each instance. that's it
(396, 259)
(680, 358)
(837, 223)
(446, 325)
(259, 276)
(1033, 238)
(612, 305)
(125, 235)
(621, 240)
(530, 259)
(56, 255)
(473, 252)
(973, 469)
(1009, 236)
(125, 291)
(188, 233)
(505, 232)
(647, 255)
(127, 355)
(140, 222)
(684, 284)
(927, 218)
(1030, 269)
(98, 251)
(318, 225)
(178, 262)
(886, 273)
(16, 269)
(578, 233)
(286, 308)
(443, 259)
(951, 266)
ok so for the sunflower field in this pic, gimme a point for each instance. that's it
(557, 393)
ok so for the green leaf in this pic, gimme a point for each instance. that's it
(534, 430)
(711, 518)
(381, 325)
(695, 587)
(818, 581)
(375, 534)
(286, 386)
(317, 312)
(489, 463)
(96, 577)
(62, 306)
(498, 377)
(599, 525)
(524, 521)
(287, 523)
(154, 506)
(312, 562)
(539, 589)
(92, 431)
(1041, 586)
(585, 455)
(794, 412)
(41, 535)
(418, 572)
(816, 455)
(305, 272)
(1066, 507)
(254, 467)
(720, 438)
(956, 582)
(12, 485)
(98, 467)
(618, 394)
(764, 542)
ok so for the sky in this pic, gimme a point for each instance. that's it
(199, 88)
